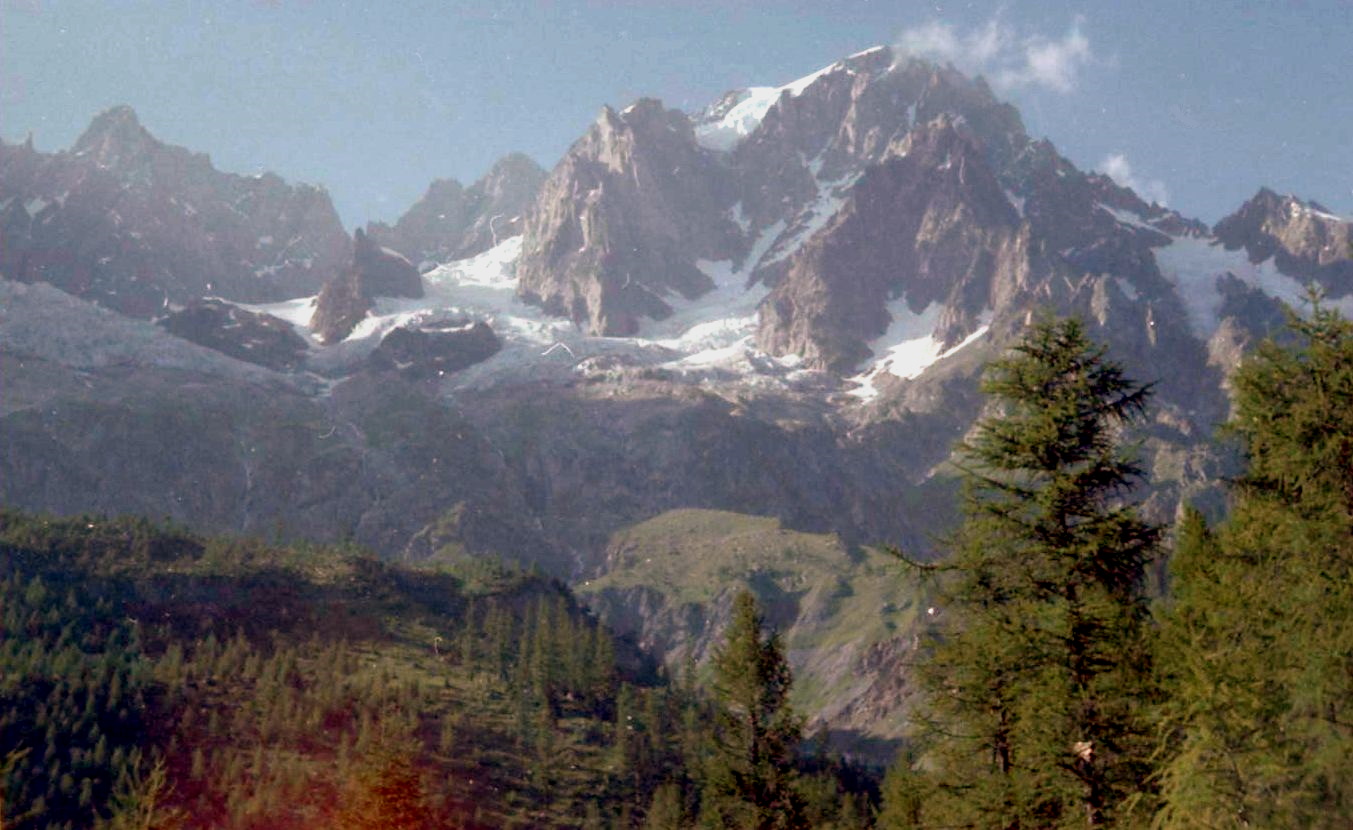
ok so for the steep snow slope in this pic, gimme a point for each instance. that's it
(742, 111)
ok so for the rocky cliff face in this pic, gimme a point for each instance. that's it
(137, 225)
(930, 224)
(346, 298)
(622, 220)
(1303, 238)
(102, 413)
(830, 126)
(454, 222)
(419, 353)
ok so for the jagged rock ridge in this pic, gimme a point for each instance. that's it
(374, 272)
(138, 225)
(1304, 238)
(896, 219)
(622, 219)
(453, 222)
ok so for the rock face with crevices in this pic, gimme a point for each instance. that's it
(374, 272)
(455, 222)
(1303, 238)
(927, 225)
(239, 333)
(419, 353)
(136, 225)
(894, 222)
(622, 220)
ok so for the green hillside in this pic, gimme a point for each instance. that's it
(151, 678)
(836, 608)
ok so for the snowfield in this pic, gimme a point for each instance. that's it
(711, 336)
(907, 348)
(742, 119)
(1195, 264)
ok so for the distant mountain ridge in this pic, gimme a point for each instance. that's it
(452, 222)
(138, 225)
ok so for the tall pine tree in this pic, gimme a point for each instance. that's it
(751, 777)
(1259, 634)
(1039, 665)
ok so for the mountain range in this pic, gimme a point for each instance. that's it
(740, 342)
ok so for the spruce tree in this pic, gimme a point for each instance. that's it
(1259, 633)
(1038, 666)
(751, 780)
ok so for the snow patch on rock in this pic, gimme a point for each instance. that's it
(1194, 266)
(742, 119)
(907, 348)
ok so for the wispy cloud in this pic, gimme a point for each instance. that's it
(1009, 60)
(1117, 167)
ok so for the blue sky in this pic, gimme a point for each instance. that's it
(1196, 102)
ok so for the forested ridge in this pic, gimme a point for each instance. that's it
(153, 678)
(150, 678)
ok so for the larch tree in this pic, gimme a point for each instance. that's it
(1258, 635)
(751, 775)
(1038, 670)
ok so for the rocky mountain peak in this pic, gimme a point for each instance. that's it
(137, 225)
(929, 224)
(116, 138)
(645, 127)
(453, 222)
(943, 137)
(622, 219)
(347, 297)
(1304, 239)
(1269, 212)
(513, 173)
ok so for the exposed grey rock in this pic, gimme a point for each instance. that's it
(374, 461)
(424, 352)
(884, 185)
(134, 224)
(346, 298)
(929, 224)
(243, 335)
(44, 323)
(341, 305)
(452, 222)
(1304, 239)
(622, 219)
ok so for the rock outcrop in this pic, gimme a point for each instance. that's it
(375, 272)
(136, 225)
(424, 352)
(1304, 239)
(830, 126)
(241, 334)
(622, 220)
(454, 222)
(881, 211)
(929, 224)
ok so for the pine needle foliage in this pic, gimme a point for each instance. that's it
(1039, 668)
(752, 774)
(1259, 633)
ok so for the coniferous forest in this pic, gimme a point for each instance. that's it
(1081, 666)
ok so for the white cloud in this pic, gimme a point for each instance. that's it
(996, 51)
(1117, 167)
